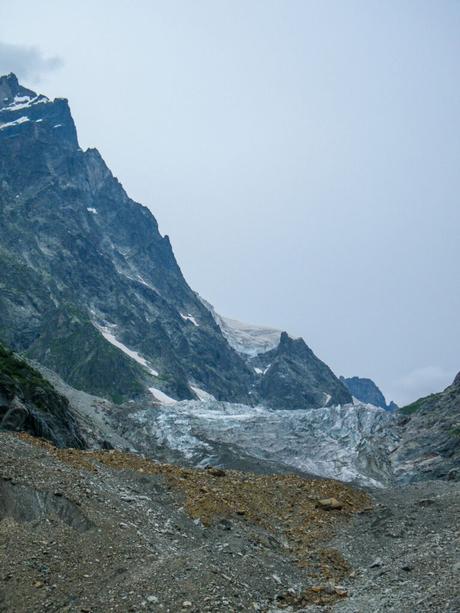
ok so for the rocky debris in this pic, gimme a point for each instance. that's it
(158, 537)
(155, 537)
(403, 552)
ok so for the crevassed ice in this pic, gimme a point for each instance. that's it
(350, 442)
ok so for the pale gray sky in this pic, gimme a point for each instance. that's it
(302, 156)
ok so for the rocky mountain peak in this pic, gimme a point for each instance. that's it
(35, 117)
(456, 381)
(367, 391)
(10, 89)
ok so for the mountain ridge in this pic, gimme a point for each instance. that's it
(94, 260)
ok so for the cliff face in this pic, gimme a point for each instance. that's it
(29, 403)
(79, 257)
(92, 290)
(430, 436)
(367, 391)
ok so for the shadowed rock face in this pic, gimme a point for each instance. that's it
(367, 391)
(81, 263)
(292, 377)
(430, 436)
(29, 403)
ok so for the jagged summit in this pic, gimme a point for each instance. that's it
(10, 88)
(33, 117)
(365, 390)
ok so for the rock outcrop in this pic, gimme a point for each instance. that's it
(29, 403)
(367, 391)
(430, 437)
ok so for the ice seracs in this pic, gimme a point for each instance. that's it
(351, 443)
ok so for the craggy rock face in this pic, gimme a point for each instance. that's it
(29, 403)
(367, 391)
(92, 290)
(430, 437)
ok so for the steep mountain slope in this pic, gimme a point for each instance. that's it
(91, 289)
(367, 391)
(29, 403)
(97, 257)
(292, 377)
(430, 436)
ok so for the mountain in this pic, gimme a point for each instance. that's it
(92, 290)
(430, 436)
(29, 403)
(367, 391)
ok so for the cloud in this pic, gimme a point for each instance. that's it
(27, 62)
(421, 382)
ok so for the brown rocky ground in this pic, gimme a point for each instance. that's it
(97, 531)
(109, 531)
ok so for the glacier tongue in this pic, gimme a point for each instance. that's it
(350, 443)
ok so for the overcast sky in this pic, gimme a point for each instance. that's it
(302, 156)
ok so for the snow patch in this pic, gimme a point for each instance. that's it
(161, 396)
(25, 102)
(189, 317)
(107, 334)
(16, 122)
(202, 395)
(247, 339)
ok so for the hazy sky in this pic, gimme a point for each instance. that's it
(304, 158)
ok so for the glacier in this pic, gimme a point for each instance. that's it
(351, 443)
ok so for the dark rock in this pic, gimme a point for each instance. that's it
(367, 391)
(296, 379)
(31, 404)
